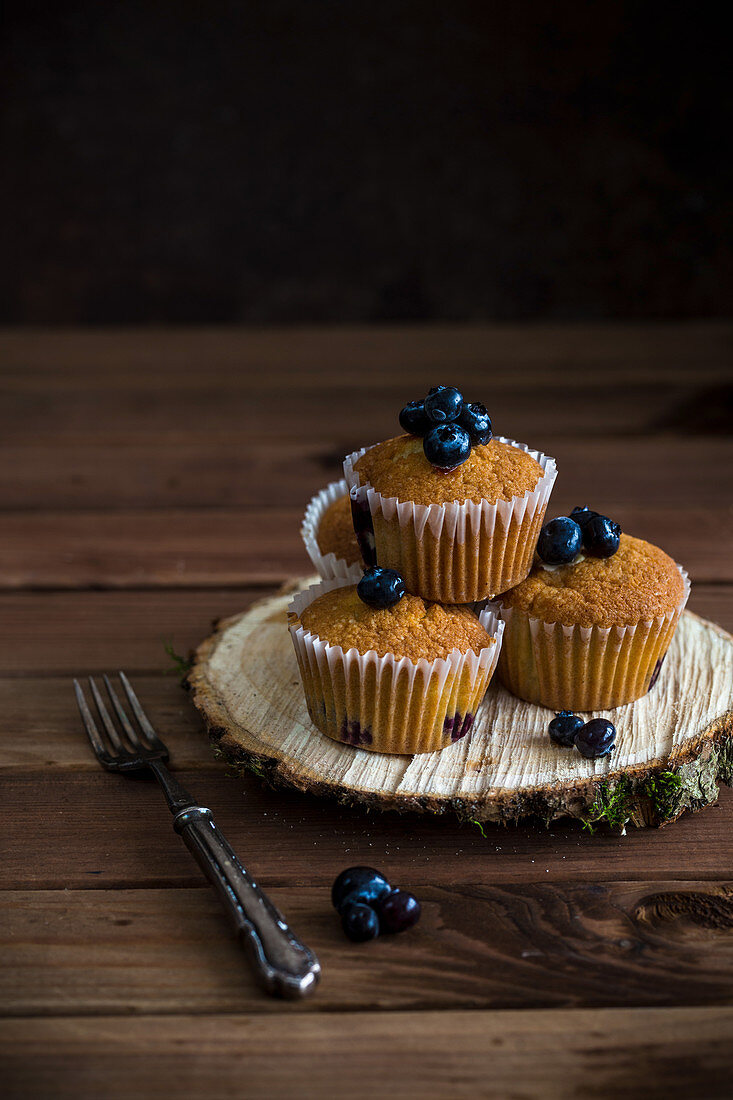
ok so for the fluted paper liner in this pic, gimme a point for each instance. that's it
(457, 552)
(327, 565)
(581, 668)
(390, 704)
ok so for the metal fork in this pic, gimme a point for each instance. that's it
(284, 966)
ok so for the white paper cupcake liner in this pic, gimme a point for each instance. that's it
(582, 668)
(456, 552)
(327, 565)
(390, 704)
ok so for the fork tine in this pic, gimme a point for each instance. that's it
(145, 725)
(132, 734)
(107, 721)
(89, 723)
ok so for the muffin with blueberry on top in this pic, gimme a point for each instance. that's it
(452, 508)
(589, 627)
(328, 533)
(387, 671)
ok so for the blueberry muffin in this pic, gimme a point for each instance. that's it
(456, 535)
(591, 633)
(328, 533)
(387, 671)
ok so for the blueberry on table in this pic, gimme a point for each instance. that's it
(596, 738)
(398, 911)
(380, 588)
(363, 884)
(359, 922)
(560, 541)
(583, 516)
(563, 728)
(414, 420)
(443, 403)
(447, 446)
(601, 537)
(477, 422)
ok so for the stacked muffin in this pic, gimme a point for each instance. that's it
(398, 643)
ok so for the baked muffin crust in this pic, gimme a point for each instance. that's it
(493, 471)
(410, 628)
(638, 583)
(336, 532)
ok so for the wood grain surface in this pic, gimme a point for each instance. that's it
(152, 482)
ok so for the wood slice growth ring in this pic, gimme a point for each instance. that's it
(673, 748)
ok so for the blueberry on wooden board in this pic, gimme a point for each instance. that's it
(398, 911)
(596, 738)
(359, 922)
(563, 728)
(364, 884)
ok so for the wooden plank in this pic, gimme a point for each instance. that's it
(80, 633)
(43, 729)
(201, 547)
(535, 945)
(714, 602)
(357, 356)
(150, 549)
(230, 411)
(98, 830)
(647, 1053)
(77, 633)
(249, 405)
(284, 473)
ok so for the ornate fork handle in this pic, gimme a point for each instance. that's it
(284, 966)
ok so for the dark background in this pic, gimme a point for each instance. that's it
(309, 161)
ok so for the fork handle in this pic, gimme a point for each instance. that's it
(284, 966)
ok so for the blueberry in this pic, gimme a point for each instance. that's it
(447, 446)
(398, 911)
(414, 420)
(366, 882)
(368, 893)
(560, 541)
(477, 422)
(443, 403)
(601, 537)
(583, 516)
(563, 728)
(380, 588)
(359, 922)
(596, 738)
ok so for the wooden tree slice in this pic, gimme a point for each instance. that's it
(673, 747)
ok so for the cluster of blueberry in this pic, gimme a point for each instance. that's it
(448, 426)
(592, 739)
(369, 906)
(380, 588)
(562, 539)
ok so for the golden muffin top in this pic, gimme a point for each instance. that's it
(493, 471)
(639, 582)
(410, 628)
(336, 532)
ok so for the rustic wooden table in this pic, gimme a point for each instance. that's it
(153, 481)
